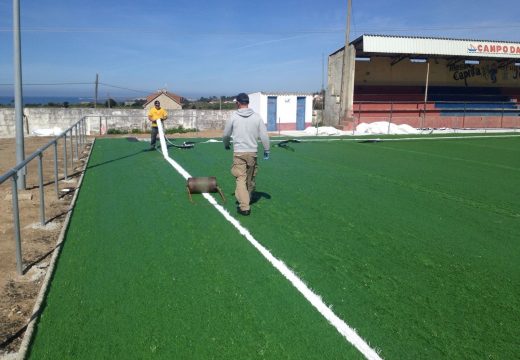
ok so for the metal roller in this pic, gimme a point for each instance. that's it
(198, 185)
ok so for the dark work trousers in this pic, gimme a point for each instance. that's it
(153, 138)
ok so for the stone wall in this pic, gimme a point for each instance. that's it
(120, 119)
(104, 119)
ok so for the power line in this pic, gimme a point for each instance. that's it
(82, 83)
(53, 84)
(125, 88)
(360, 30)
(248, 33)
(76, 30)
(177, 32)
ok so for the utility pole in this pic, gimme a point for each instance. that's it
(96, 91)
(426, 91)
(345, 110)
(322, 84)
(18, 97)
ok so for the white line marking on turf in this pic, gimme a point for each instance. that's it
(448, 137)
(467, 137)
(341, 326)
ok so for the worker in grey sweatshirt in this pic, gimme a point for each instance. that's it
(245, 127)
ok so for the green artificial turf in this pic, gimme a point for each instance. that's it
(414, 244)
(146, 274)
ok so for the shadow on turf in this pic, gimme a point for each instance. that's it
(368, 141)
(256, 197)
(117, 159)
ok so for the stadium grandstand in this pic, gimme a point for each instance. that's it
(425, 82)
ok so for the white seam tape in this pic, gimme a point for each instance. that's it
(346, 331)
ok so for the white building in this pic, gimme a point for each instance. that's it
(283, 111)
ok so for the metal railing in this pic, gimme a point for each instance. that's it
(437, 114)
(77, 138)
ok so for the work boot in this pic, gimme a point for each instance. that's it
(244, 212)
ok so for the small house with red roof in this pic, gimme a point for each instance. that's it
(169, 101)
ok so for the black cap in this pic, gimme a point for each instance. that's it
(156, 102)
(242, 98)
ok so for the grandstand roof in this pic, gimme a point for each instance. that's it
(391, 45)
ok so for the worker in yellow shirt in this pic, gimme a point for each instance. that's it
(156, 113)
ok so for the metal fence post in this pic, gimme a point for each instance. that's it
(391, 114)
(77, 141)
(16, 220)
(71, 153)
(83, 131)
(42, 195)
(502, 117)
(56, 169)
(359, 118)
(425, 114)
(80, 128)
(72, 149)
(65, 156)
(464, 115)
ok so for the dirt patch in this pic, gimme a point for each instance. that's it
(18, 293)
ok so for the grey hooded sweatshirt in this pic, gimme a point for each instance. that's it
(245, 126)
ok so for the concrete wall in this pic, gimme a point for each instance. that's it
(334, 102)
(123, 119)
(103, 119)
(333, 92)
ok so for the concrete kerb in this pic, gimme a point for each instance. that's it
(24, 347)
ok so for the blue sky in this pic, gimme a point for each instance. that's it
(201, 48)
